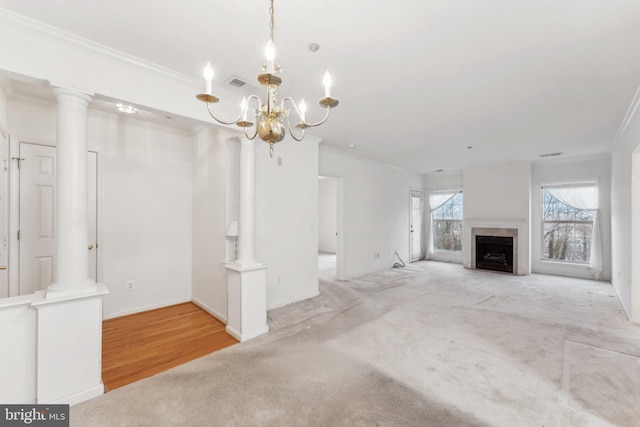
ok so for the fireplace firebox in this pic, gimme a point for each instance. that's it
(494, 253)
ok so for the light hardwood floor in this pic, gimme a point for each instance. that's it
(143, 344)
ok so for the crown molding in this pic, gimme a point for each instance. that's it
(50, 33)
(362, 158)
(6, 87)
(629, 115)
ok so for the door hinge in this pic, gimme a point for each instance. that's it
(18, 234)
(19, 159)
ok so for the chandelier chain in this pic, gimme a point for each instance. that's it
(272, 22)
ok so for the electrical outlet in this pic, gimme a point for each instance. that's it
(131, 284)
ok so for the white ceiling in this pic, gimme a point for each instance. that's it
(419, 81)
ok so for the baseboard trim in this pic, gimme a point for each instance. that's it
(627, 313)
(295, 300)
(210, 310)
(81, 396)
(246, 337)
(145, 308)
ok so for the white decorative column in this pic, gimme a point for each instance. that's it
(69, 318)
(72, 255)
(246, 277)
(247, 205)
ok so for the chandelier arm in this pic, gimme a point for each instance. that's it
(252, 137)
(257, 98)
(222, 121)
(282, 107)
(304, 122)
(324, 119)
(291, 130)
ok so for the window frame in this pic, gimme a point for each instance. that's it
(544, 221)
(459, 223)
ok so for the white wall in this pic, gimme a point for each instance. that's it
(376, 210)
(435, 182)
(215, 170)
(146, 213)
(552, 171)
(635, 236)
(3, 108)
(18, 355)
(327, 214)
(498, 195)
(144, 220)
(286, 238)
(4, 217)
(625, 238)
(497, 192)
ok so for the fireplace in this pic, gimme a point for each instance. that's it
(494, 253)
(497, 248)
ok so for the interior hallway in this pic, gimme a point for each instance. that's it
(430, 344)
(326, 267)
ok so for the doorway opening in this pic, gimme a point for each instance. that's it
(415, 226)
(329, 224)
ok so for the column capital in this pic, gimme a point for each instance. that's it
(61, 90)
(246, 142)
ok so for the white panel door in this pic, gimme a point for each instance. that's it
(37, 216)
(92, 188)
(415, 226)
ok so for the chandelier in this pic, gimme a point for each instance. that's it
(270, 116)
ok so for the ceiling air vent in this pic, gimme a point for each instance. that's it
(241, 86)
(551, 154)
(236, 82)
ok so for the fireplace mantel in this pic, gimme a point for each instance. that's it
(523, 266)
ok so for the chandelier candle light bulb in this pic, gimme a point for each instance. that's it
(303, 110)
(327, 84)
(208, 77)
(270, 52)
(244, 107)
(272, 117)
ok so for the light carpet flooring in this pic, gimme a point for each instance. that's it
(431, 344)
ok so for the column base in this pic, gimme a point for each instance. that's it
(246, 337)
(58, 290)
(69, 347)
(247, 301)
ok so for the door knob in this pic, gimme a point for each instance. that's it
(90, 247)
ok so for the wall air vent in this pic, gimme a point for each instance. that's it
(551, 154)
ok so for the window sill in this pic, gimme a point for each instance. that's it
(565, 264)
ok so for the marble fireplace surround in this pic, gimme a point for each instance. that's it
(519, 230)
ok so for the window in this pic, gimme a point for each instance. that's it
(447, 224)
(568, 213)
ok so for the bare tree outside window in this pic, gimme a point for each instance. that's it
(447, 225)
(566, 231)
